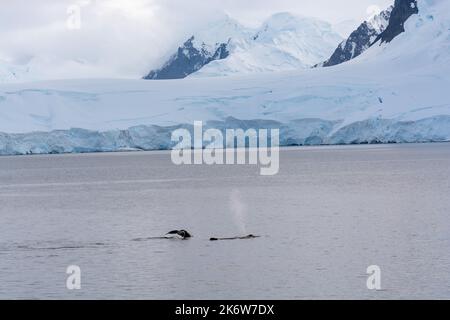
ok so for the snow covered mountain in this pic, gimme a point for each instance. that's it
(360, 39)
(393, 92)
(283, 42)
(189, 59)
(212, 43)
(383, 27)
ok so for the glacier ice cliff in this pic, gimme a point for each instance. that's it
(293, 133)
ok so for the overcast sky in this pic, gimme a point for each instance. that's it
(124, 37)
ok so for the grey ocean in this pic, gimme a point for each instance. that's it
(329, 214)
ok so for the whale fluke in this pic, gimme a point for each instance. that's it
(182, 233)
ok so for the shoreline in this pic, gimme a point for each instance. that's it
(281, 147)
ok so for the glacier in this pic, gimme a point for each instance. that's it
(305, 132)
(394, 92)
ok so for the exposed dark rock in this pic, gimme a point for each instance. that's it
(403, 9)
(187, 60)
(360, 39)
(383, 28)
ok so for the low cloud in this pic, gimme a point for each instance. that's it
(125, 38)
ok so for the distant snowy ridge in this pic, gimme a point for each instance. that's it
(283, 42)
(45, 68)
(10, 72)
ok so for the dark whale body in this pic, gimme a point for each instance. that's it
(183, 235)
(250, 236)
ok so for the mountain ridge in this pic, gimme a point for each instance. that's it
(283, 42)
(360, 39)
(382, 28)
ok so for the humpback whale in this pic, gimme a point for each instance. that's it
(250, 236)
(174, 234)
(183, 235)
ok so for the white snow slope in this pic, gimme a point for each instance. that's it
(284, 42)
(11, 73)
(397, 92)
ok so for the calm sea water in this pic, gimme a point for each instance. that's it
(329, 214)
